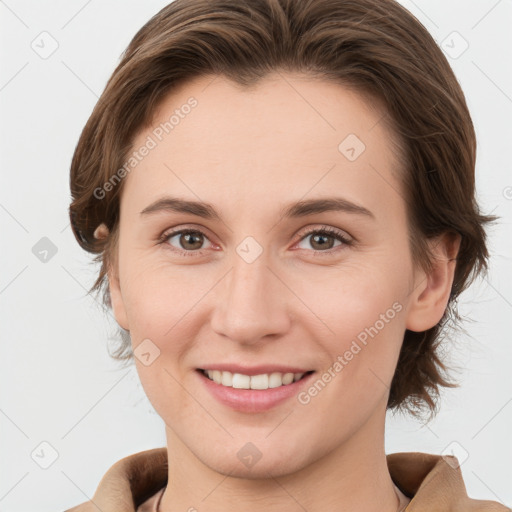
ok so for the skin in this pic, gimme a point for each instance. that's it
(250, 152)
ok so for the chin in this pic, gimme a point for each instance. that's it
(253, 456)
(264, 468)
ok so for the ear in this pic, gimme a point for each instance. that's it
(116, 299)
(431, 291)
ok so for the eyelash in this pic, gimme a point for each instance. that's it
(326, 230)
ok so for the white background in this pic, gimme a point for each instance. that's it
(58, 384)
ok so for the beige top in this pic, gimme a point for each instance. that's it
(433, 483)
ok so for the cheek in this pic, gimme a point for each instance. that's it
(350, 299)
(159, 298)
(362, 326)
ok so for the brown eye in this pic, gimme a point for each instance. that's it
(186, 240)
(191, 241)
(323, 240)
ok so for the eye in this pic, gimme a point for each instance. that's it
(320, 239)
(189, 241)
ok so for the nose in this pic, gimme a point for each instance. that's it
(251, 303)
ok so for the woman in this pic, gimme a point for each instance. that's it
(281, 194)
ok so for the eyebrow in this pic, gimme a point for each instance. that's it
(294, 210)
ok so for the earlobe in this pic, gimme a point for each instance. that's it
(116, 299)
(431, 292)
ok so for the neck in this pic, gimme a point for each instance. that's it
(352, 477)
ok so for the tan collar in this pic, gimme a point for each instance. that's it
(433, 482)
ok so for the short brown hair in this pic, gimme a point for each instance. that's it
(373, 46)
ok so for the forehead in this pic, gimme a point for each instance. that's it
(290, 135)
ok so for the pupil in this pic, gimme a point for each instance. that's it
(322, 244)
(191, 236)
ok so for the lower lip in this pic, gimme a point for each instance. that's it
(253, 400)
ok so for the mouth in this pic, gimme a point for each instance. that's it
(262, 381)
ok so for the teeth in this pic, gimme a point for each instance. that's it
(226, 379)
(259, 381)
(241, 381)
(263, 381)
(275, 380)
(288, 378)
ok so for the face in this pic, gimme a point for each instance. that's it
(258, 286)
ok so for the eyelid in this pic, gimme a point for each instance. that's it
(326, 229)
(185, 227)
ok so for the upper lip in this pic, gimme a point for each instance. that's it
(254, 370)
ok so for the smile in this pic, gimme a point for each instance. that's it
(253, 389)
(261, 382)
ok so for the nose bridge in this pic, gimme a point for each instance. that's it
(251, 301)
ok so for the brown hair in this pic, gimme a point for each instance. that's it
(373, 46)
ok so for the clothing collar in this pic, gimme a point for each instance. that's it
(434, 483)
